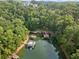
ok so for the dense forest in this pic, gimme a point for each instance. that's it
(18, 18)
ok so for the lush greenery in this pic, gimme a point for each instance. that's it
(60, 18)
(12, 28)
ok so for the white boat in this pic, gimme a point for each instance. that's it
(31, 44)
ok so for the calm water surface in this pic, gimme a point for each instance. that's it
(43, 50)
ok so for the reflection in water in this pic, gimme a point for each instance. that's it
(43, 50)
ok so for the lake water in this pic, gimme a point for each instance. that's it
(43, 50)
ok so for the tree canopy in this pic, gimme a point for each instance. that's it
(17, 18)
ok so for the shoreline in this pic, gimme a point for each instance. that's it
(25, 42)
(20, 47)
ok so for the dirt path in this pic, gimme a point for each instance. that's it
(20, 47)
(64, 52)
